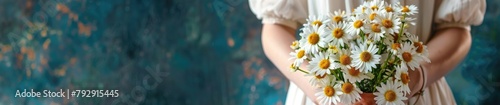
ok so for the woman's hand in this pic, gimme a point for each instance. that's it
(446, 49)
(276, 41)
(366, 99)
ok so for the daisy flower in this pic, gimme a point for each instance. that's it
(389, 94)
(365, 58)
(329, 94)
(395, 48)
(294, 68)
(375, 32)
(390, 23)
(295, 45)
(317, 21)
(354, 75)
(408, 10)
(408, 21)
(337, 33)
(375, 28)
(298, 56)
(322, 63)
(311, 40)
(421, 49)
(344, 59)
(403, 76)
(360, 9)
(357, 23)
(332, 48)
(320, 80)
(337, 16)
(376, 4)
(389, 8)
(408, 56)
(350, 93)
(373, 14)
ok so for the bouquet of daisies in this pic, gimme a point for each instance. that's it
(368, 51)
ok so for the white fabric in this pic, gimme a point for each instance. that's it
(460, 13)
(447, 13)
(295, 96)
(286, 12)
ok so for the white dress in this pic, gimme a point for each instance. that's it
(432, 15)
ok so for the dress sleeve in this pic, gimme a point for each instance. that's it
(460, 13)
(286, 12)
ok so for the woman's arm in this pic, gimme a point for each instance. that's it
(276, 41)
(447, 49)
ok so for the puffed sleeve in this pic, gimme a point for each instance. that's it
(460, 13)
(286, 12)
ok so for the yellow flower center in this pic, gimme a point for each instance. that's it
(317, 23)
(405, 78)
(390, 95)
(420, 47)
(345, 60)
(372, 16)
(374, 7)
(365, 56)
(329, 91)
(353, 72)
(407, 56)
(405, 9)
(376, 28)
(388, 9)
(337, 19)
(320, 77)
(358, 24)
(334, 49)
(324, 64)
(387, 23)
(301, 53)
(395, 46)
(338, 33)
(294, 43)
(347, 87)
(313, 38)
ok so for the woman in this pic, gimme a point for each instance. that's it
(443, 25)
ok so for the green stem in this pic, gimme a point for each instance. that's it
(402, 27)
(304, 71)
(362, 34)
(380, 45)
(384, 65)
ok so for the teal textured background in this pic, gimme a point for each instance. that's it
(174, 52)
